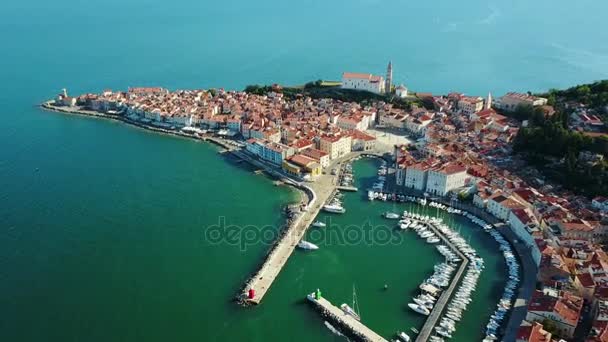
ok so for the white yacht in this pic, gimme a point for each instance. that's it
(334, 208)
(433, 239)
(419, 309)
(390, 215)
(404, 337)
(319, 224)
(307, 245)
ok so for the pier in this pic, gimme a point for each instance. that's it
(347, 323)
(318, 193)
(431, 321)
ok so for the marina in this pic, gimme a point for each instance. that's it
(445, 296)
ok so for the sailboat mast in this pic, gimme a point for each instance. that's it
(356, 302)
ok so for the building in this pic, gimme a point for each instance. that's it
(600, 203)
(562, 308)
(368, 82)
(335, 145)
(523, 223)
(401, 91)
(511, 101)
(362, 141)
(353, 122)
(445, 178)
(320, 156)
(416, 176)
(532, 332)
(470, 105)
(576, 229)
(270, 151)
(306, 164)
(500, 205)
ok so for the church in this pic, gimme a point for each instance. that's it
(373, 83)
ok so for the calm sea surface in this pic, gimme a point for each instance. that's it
(102, 226)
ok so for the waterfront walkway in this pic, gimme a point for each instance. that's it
(431, 321)
(356, 328)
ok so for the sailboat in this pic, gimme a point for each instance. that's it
(352, 311)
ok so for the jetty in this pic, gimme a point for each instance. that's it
(258, 285)
(346, 322)
(431, 321)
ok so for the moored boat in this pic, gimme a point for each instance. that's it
(307, 245)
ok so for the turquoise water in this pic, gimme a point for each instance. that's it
(102, 226)
(436, 46)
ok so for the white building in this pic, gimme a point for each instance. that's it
(369, 82)
(416, 176)
(510, 101)
(523, 223)
(500, 205)
(320, 156)
(401, 91)
(335, 145)
(362, 141)
(446, 178)
(470, 105)
(360, 123)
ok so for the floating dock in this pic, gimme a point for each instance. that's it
(431, 321)
(352, 327)
(347, 188)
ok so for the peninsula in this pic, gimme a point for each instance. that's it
(460, 150)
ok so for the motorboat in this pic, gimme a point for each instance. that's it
(307, 245)
(334, 208)
(319, 224)
(404, 337)
(391, 216)
(419, 309)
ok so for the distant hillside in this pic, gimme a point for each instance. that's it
(332, 90)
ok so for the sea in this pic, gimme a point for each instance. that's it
(106, 230)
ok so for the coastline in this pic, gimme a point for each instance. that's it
(301, 189)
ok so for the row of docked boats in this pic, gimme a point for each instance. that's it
(431, 287)
(378, 186)
(334, 205)
(505, 302)
(460, 301)
(347, 175)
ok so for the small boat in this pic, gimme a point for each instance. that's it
(414, 330)
(419, 309)
(334, 208)
(391, 216)
(319, 224)
(307, 245)
(433, 239)
(350, 311)
(404, 337)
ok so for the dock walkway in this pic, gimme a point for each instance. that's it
(431, 321)
(356, 328)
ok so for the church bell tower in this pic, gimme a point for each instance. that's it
(389, 78)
